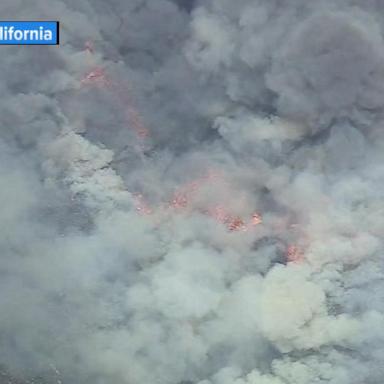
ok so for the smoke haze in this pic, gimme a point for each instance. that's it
(192, 193)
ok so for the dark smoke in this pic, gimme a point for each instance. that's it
(134, 158)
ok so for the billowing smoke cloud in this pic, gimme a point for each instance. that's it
(192, 192)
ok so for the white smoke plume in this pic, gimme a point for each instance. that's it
(192, 193)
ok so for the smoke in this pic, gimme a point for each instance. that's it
(192, 192)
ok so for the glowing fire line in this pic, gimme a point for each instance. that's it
(181, 199)
(98, 76)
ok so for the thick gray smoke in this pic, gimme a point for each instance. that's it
(192, 192)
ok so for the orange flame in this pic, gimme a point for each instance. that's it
(294, 254)
(142, 207)
(97, 76)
